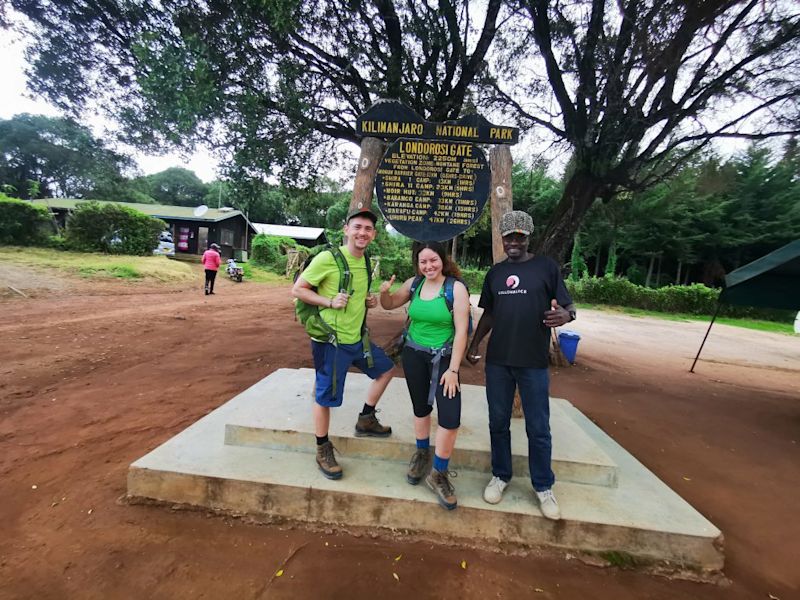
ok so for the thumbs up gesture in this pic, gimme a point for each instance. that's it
(387, 285)
(556, 316)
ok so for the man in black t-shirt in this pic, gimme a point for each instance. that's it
(523, 297)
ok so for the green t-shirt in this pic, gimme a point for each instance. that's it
(431, 321)
(323, 273)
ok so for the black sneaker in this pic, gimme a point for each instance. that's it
(440, 485)
(419, 465)
(326, 461)
(369, 426)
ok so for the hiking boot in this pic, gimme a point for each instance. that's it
(369, 426)
(548, 505)
(494, 490)
(419, 465)
(326, 461)
(440, 485)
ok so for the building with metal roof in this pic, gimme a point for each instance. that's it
(307, 236)
(192, 230)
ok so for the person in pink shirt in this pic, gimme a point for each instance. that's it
(211, 260)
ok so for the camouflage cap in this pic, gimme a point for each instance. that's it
(516, 221)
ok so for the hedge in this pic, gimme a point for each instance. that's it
(397, 265)
(270, 251)
(474, 279)
(23, 223)
(112, 228)
(694, 299)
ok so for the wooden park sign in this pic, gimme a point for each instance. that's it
(433, 181)
(390, 119)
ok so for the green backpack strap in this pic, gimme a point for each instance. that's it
(345, 276)
(365, 342)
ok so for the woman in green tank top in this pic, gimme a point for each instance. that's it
(435, 345)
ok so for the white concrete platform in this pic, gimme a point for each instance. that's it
(275, 413)
(267, 470)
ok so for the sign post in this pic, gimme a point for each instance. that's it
(433, 181)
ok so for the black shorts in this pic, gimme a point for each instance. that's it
(417, 368)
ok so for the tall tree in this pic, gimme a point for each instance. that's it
(44, 156)
(271, 82)
(176, 185)
(635, 87)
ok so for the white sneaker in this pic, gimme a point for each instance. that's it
(494, 490)
(548, 505)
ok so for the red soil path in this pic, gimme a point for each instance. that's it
(93, 376)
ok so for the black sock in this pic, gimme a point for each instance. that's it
(367, 410)
(322, 440)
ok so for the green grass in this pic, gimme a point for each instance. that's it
(94, 265)
(258, 274)
(770, 326)
(121, 271)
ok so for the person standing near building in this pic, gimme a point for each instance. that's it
(523, 297)
(211, 261)
(434, 346)
(344, 311)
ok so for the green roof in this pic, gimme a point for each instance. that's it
(212, 215)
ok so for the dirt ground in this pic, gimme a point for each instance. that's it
(94, 375)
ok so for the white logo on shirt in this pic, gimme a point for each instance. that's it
(512, 282)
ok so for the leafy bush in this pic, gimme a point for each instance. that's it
(22, 223)
(56, 242)
(113, 229)
(398, 265)
(474, 277)
(267, 251)
(694, 299)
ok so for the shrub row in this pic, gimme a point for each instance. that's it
(694, 299)
(112, 228)
(269, 251)
(23, 223)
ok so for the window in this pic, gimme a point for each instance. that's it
(226, 237)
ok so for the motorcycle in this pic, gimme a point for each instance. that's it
(234, 271)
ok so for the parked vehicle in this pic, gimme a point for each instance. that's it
(234, 271)
(165, 246)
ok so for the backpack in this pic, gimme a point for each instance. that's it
(308, 314)
(394, 348)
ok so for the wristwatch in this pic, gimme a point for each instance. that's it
(572, 315)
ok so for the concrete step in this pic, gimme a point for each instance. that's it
(640, 517)
(276, 414)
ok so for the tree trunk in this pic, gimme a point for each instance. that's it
(464, 244)
(579, 195)
(500, 197)
(372, 150)
(501, 203)
(686, 277)
(454, 252)
(678, 276)
(658, 272)
(650, 271)
(597, 264)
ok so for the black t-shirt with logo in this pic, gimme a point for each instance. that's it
(517, 295)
